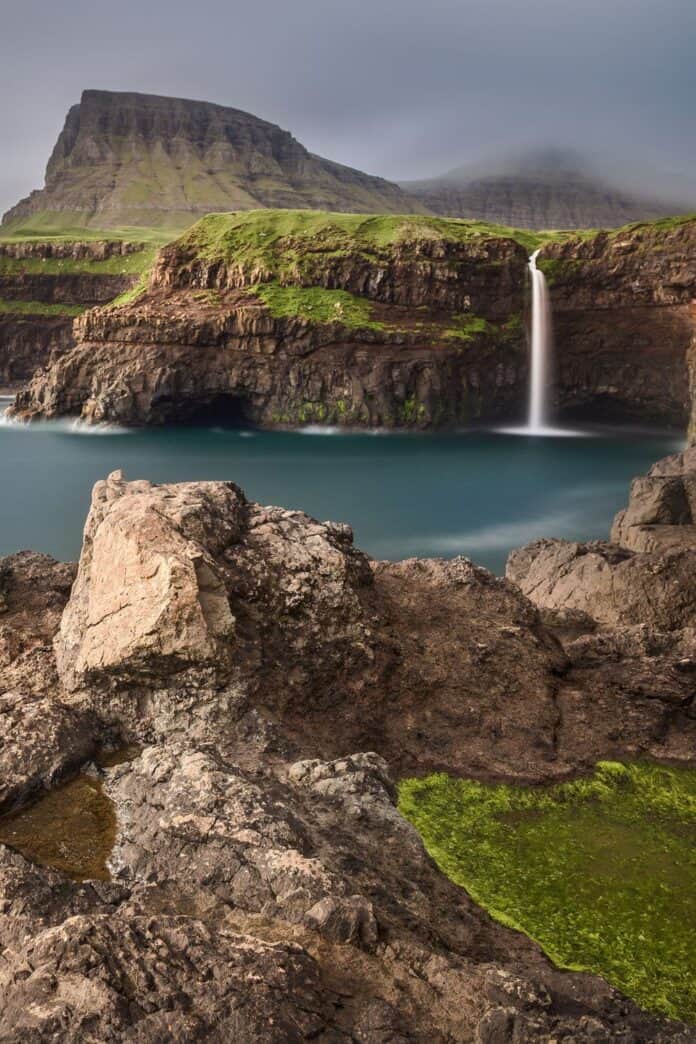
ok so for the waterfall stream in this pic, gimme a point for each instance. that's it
(542, 346)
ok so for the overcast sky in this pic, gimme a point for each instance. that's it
(401, 88)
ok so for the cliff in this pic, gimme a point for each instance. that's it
(242, 691)
(125, 159)
(279, 318)
(624, 312)
(285, 318)
(44, 285)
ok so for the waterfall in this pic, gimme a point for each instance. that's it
(542, 345)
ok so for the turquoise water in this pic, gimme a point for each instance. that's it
(476, 493)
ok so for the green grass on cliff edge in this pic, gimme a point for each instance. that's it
(119, 264)
(601, 872)
(317, 304)
(278, 241)
(39, 309)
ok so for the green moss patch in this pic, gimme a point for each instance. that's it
(601, 872)
(317, 304)
(468, 327)
(38, 308)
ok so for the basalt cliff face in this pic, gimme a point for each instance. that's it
(272, 681)
(281, 319)
(624, 312)
(330, 319)
(44, 285)
(126, 159)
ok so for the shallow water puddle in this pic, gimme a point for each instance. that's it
(71, 829)
(600, 871)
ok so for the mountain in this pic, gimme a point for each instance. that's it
(125, 159)
(540, 188)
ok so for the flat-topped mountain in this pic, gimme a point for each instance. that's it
(541, 188)
(127, 159)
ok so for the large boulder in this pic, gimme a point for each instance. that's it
(194, 577)
(612, 585)
(661, 512)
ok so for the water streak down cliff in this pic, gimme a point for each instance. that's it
(541, 343)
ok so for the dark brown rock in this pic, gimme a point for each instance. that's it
(624, 321)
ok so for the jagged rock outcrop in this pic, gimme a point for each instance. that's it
(627, 608)
(613, 585)
(661, 512)
(126, 159)
(264, 884)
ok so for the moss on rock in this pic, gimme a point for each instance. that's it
(601, 872)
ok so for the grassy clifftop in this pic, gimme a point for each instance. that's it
(277, 239)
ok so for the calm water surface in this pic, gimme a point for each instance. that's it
(477, 493)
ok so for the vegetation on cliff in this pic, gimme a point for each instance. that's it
(599, 871)
(284, 243)
(118, 264)
(39, 308)
(62, 227)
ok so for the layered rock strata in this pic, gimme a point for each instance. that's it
(125, 159)
(43, 285)
(624, 313)
(416, 323)
(438, 338)
(275, 681)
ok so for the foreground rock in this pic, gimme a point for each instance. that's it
(628, 609)
(645, 576)
(275, 682)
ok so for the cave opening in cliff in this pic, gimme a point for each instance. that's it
(222, 410)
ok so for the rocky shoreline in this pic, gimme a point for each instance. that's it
(273, 682)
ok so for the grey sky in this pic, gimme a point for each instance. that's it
(402, 88)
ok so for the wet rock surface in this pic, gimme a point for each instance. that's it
(263, 884)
